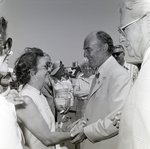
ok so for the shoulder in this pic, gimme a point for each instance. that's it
(117, 73)
(117, 69)
(27, 99)
(2, 98)
(6, 107)
(3, 101)
(27, 102)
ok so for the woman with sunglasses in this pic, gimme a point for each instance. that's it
(38, 124)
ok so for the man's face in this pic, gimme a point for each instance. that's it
(93, 50)
(133, 39)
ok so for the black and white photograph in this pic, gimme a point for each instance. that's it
(74, 74)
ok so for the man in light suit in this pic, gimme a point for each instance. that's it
(108, 93)
(134, 132)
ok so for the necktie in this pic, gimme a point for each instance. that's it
(97, 75)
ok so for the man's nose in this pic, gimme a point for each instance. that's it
(123, 40)
(85, 53)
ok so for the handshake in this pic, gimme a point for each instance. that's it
(77, 131)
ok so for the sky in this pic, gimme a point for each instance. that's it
(58, 27)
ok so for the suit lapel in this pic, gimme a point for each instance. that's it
(96, 84)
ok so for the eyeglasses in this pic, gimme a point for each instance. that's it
(122, 29)
(6, 48)
(117, 54)
(48, 66)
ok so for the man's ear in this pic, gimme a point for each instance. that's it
(105, 47)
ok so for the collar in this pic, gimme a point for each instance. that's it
(103, 66)
(32, 88)
(126, 65)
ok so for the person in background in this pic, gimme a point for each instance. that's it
(38, 124)
(108, 93)
(66, 77)
(67, 73)
(76, 71)
(119, 55)
(134, 130)
(82, 87)
(58, 81)
(63, 99)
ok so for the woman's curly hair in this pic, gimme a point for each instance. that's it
(25, 63)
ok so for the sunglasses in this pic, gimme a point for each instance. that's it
(48, 66)
(6, 48)
(117, 54)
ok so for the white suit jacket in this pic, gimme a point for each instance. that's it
(105, 99)
(134, 130)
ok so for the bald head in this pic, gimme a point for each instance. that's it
(90, 39)
(97, 47)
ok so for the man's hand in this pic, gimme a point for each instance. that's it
(78, 136)
(73, 125)
(76, 125)
(14, 97)
(116, 119)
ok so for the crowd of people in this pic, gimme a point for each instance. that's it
(103, 105)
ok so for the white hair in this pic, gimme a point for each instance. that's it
(136, 8)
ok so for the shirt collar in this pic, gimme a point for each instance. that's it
(102, 67)
(32, 88)
(126, 65)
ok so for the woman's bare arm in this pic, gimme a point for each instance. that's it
(32, 119)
